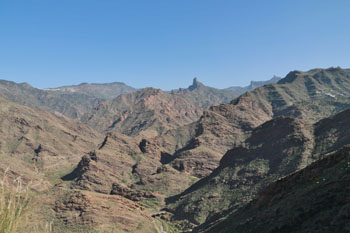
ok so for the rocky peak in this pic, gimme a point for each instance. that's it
(195, 85)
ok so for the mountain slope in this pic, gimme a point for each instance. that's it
(245, 169)
(50, 142)
(310, 95)
(315, 199)
(38, 148)
(126, 167)
(274, 149)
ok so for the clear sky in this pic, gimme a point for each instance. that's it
(165, 43)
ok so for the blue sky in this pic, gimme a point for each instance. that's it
(164, 43)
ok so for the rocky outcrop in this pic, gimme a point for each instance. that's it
(82, 210)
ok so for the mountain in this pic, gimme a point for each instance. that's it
(310, 96)
(71, 101)
(71, 104)
(97, 90)
(274, 131)
(315, 199)
(77, 100)
(38, 148)
(291, 145)
(204, 96)
(153, 112)
(150, 111)
(156, 161)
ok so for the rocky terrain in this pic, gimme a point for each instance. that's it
(110, 158)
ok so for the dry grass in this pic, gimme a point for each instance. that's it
(13, 201)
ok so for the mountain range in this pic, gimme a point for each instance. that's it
(269, 157)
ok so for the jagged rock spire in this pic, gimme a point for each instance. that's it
(195, 84)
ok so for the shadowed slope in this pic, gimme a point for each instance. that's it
(274, 149)
(315, 199)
